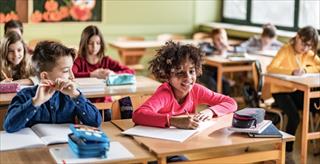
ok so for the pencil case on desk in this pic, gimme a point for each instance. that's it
(86, 141)
(9, 87)
(248, 117)
(121, 79)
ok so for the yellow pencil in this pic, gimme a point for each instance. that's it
(4, 74)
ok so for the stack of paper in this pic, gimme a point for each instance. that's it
(90, 84)
(65, 155)
(172, 133)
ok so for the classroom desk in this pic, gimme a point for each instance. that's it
(226, 65)
(306, 85)
(128, 49)
(215, 140)
(42, 155)
(143, 86)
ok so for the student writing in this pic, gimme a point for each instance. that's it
(220, 47)
(295, 58)
(92, 61)
(178, 67)
(56, 99)
(15, 64)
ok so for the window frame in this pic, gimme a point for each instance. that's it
(248, 18)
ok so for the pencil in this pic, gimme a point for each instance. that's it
(186, 112)
(4, 74)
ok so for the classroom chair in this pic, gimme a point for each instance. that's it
(168, 37)
(132, 59)
(258, 85)
(202, 36)
(136, 101)
(103, 106)
(32, 43)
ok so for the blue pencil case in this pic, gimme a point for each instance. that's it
(86, 141)
(121, 79)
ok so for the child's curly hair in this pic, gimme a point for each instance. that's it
(171, 56)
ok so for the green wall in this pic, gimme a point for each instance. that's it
(146, 18)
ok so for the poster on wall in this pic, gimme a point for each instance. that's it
(7, 11)
(66, 11)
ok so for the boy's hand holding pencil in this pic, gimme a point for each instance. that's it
(47, 88)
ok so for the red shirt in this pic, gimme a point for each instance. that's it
(82, 68)
(157, 110)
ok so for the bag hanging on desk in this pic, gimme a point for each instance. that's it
(121, 79)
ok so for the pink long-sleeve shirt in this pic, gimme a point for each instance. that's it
(158, 109)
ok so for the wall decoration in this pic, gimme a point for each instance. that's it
(66, 10)
(7, 11)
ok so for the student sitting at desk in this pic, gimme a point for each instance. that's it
(267, 40)
(220, 47)
(15, 64)
(55, 99)
(92, 61)
(178, 66)
(295, 58)
(13, 25)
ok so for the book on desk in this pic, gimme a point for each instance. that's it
(253, 129)
(37, 136)
(270, 132)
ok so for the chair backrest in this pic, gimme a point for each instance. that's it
(252, 95)
(32, 43)
(202, 36)
(167, 37)
(136, 101)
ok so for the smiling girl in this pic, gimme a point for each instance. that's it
(15, 65)
(178, 67)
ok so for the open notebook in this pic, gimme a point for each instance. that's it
(172, 133)
(36, 136)
(65, 155)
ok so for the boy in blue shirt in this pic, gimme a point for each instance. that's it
(56, 99)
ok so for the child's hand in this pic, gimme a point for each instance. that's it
(298, 72)
(99, 73)
(8, 80)
(204, 115)
(109, 72)
(44, 92)
(67, 87)
(184, 122)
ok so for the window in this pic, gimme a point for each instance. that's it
(235, 9)
(286, 15)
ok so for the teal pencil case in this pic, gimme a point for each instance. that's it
(121, 79)
(86, 141)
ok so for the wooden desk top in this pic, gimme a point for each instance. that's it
(146, 44)
(42, 155)
(223, 60)
(217, 137)
(312, 81)
(143, 86)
